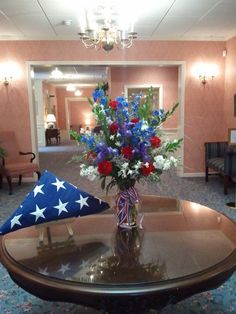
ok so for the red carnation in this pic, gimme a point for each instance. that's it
(146, 170)
(134, 120)
(105, 167)
(113, 104)
(127, 152)
(155, 141)
(113, 128)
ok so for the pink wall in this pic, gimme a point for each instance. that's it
(62, 94)
(139, 75)
(79, 112)
(203, 107)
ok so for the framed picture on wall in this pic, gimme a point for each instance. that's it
(232, 136)
(129, 90)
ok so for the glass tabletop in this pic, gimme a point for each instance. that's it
(175, 239)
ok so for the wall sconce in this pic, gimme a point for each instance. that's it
(8, 71)
(51, 119)
(205, 71)
(7, 80)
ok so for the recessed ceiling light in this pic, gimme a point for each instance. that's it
(67, 22)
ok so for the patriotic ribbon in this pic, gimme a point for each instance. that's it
(124, 200)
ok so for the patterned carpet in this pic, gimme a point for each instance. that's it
(222, 300)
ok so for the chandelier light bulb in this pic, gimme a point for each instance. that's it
(105, 33)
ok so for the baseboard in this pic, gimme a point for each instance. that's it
(192, 175)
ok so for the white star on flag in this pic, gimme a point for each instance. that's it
(83, 264)
(64, 268)
(44, 271)
(61, 207)
(59, 184)
(38, 213)
(15, 221)
(38, 189)
(82, 201)
(52, 199)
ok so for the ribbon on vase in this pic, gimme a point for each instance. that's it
(124, 200)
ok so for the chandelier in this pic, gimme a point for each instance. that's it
(106, 33)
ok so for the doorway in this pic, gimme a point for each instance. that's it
(121, 73)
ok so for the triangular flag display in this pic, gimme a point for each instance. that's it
(52, 199)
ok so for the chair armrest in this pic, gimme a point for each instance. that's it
(230, 162)
(215, 149)
(28, 153)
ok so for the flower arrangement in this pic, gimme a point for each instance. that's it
(129, 147)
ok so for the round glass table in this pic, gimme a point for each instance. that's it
(180, 248)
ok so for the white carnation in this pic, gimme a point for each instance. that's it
(159, 162)
(90, 172)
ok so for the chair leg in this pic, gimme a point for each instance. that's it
(226, 182)
(9, 184)
(39, 174)
(20, 179)
(0, 181)
(206, 173)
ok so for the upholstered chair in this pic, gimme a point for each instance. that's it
(15, 163)
(221, 158)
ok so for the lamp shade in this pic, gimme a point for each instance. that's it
(50, 118)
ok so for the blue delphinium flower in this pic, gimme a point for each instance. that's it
(156, 113)
(98, 93)
(104, 100)
(91, 142)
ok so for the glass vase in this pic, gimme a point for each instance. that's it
(127, 207)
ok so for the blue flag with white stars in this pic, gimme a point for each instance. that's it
(52, 199)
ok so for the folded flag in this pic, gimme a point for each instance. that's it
(52, 199)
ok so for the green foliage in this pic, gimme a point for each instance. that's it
(173, 146)
(75, 135)
(2, 152)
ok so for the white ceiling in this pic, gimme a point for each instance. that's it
(158, 19)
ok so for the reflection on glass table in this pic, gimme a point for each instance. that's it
(184, 248)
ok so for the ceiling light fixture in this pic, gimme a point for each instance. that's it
(56, 74)
(104, 32)
(78, 93)
(70, 88)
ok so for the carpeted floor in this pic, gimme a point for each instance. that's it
(222, 300)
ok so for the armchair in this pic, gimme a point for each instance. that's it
(15, 163)
(221, 158)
